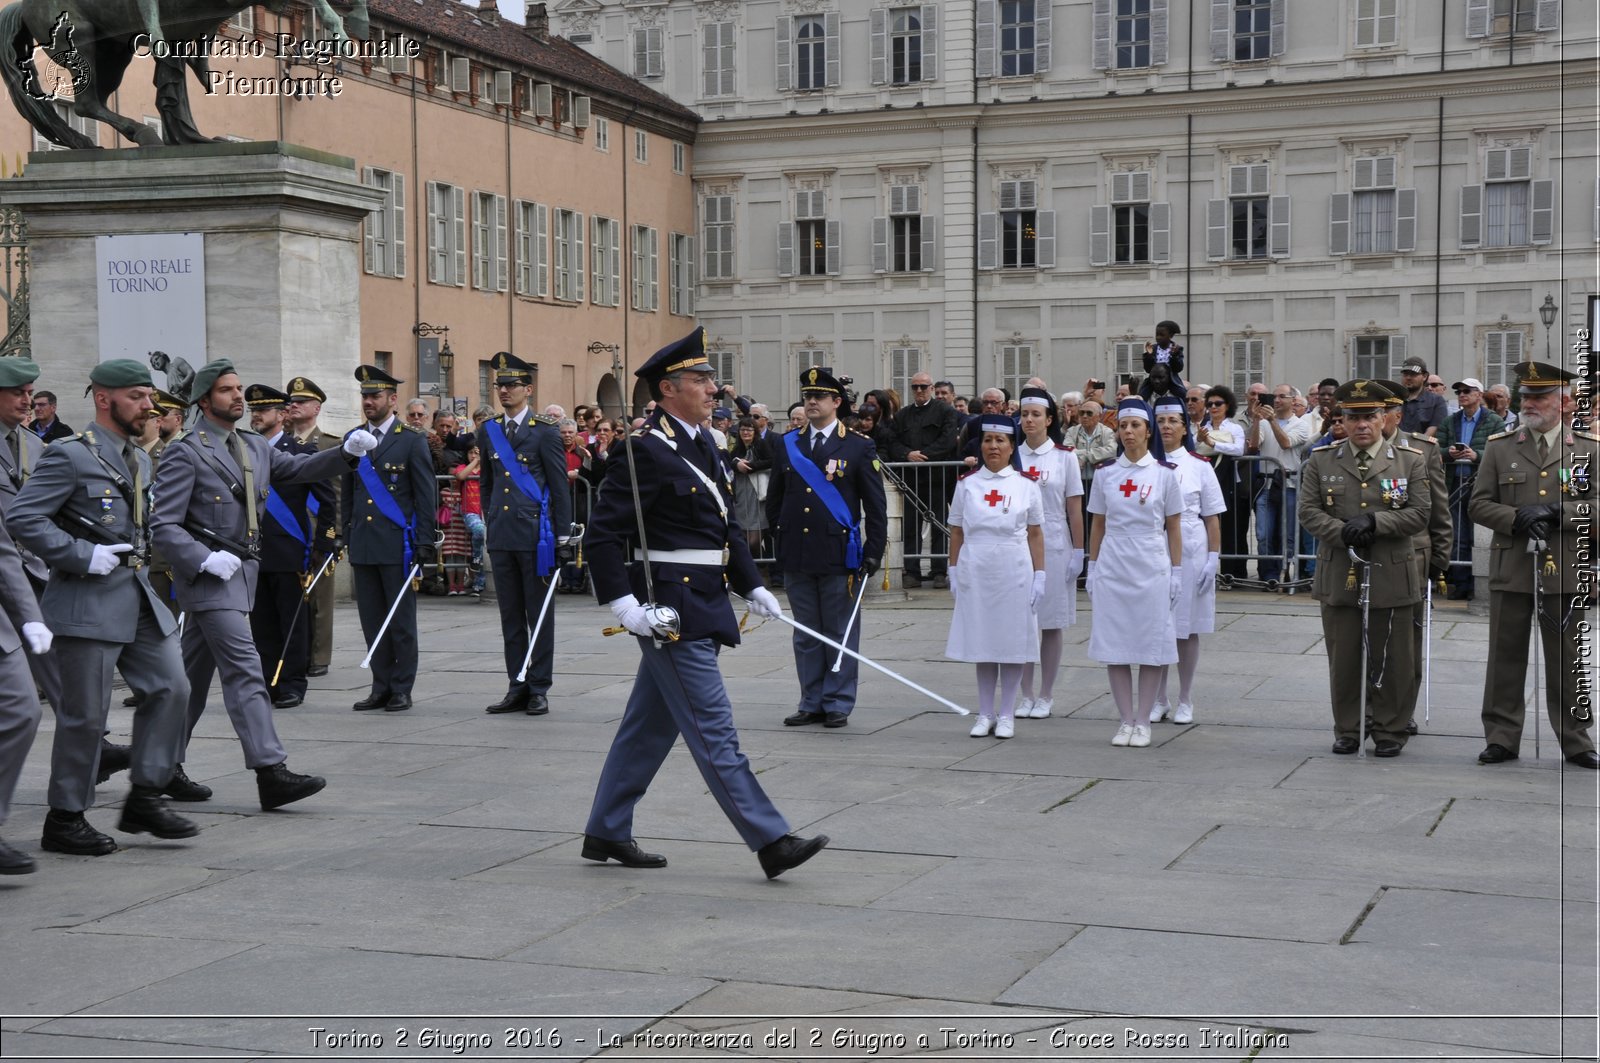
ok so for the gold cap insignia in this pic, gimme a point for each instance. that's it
(811, 378)
(363, 374)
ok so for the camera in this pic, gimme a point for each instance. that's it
(1097, 385)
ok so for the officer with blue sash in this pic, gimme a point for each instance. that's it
(388, 517)
(527, 506)
(297, 517)
(665, 493)
(825, 504)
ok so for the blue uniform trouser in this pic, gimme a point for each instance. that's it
(394, 659)
(679, 690)
(520, 593)
(821, 601)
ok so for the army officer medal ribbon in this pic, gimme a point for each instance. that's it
(1394, 492)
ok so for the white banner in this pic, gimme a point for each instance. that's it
(152, 291)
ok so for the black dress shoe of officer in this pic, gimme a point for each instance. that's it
(1587, 759)
(837, 719)
(317, 671)
(287, 701)
(13, 862)
(1386, 749)
(627, 853)
(131, 701)
(69, 832)
(1495, 753)
(516, 700)
(375, 700)
(803, 717)
(789, 851)
(1411, 728)
(182, 788)
(113, 758)
(398, 703)
(538, 705)
(145, 813)
(1345, 746)
(278, 786)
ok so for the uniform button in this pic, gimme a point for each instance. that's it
(692, 490)
(1543, 473)
(686, 579)
(1363, 485)
(808, 509)
(1363, 505)
(1542, 491)
(369, 519)
(808, 490)
(805, 529)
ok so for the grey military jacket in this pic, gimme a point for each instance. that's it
(12, 477)
(191, 495)
(81, 494)
(16, 596)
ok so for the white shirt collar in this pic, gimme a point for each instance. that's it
(692, 431)
(385, 426)
(825, 430)
(1148, 459)
(521, 418)
(1049, 445)
(272, 440)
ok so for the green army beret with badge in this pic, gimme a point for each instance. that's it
(121, 373)
(206, 377)
(17, 372)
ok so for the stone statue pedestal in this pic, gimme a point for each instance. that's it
(282, 237)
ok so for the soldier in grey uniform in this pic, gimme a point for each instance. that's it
(302, 411)
(1372, 495)
(213, 481)
(85, 511)
(21, 628)
(1536, 484)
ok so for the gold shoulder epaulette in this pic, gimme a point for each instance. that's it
(1326, 446)
(1588, 435)
(543, 418)
(1501, 435)
(1418, 437)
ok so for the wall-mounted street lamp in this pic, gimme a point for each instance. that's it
(447, 357)
(1547, 314)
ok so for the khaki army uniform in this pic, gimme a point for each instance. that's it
(1395, 489)
(1512, 475)
(160, 568)
(1432, 546)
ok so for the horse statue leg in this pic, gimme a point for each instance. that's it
(102, 66)
(150, 15)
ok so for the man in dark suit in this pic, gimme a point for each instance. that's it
(301, 413)
(45, 425)
(925, 430)
(526, 507)
(297, 518)
(389, 507)
(695, 551)
(1462, 440)
(826, 485)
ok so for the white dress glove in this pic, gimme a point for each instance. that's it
(1074, 563)
(221, 564)
(950, 574)
(359, 442)
(1037, 592)
(633, 616)
(106, 558)
(1208, 573)
(1088, 579)
(38, 637)
(1174, 587)
(764, 605)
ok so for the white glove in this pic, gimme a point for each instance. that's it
(1038, 590)
(764, 605)
(1174, 587)
(1208, 573)
(950, 574)
(1088, 578)
(221, 564)
(633, 616)
(38, 637)
(106, 558)
(1074, 562)
(359, 442)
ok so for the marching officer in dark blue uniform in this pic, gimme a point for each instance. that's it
(826, 506)
(298, 517)
(665, 493)
(391, 499)
(526, 508)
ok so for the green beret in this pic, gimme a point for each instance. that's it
(121, 373)
(206, 377)
(15, 372)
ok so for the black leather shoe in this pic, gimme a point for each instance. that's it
(131, 701)
(69, 832)
(398, 703)
(627, 853)
(317, 671)
(910, 582)
(1495, 753)
(538, 705)
(1345, 746)
(1411, 728)
(941, 582)
(837, 719)
(1587, 759)
(145, 813)
(182, 788)
(1386, 749)
(13, 862)
(113, 758)
(278, 786)
(803, 717)
(788, 852)
(287, 701)
(375, 700)
(516, 700)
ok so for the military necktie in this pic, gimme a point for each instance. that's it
(1544, 450)
(1363, 462)
(130, 457)
(816, 441)
(16, 449)
(708, 460)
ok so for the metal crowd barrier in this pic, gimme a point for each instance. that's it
(582, 492)
(1289, 558)
(925, 489)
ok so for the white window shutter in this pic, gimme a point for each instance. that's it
(1216, 229)
(988, 240)
(1405, 219)
(784, 38)
(654, 263)
(1398, 350)
(1364, 174)
(502, 87)
(1471, 228)
(597, 264)
(1541, 221)
(830, 25)
(1366, 23)
(1100, 235)
(458, 209)
(1547, 16)
(500, 245)
(541, 237)
(1597, 210)
(435, 249)
(711, 58)
(831, 255)
(1279, 22)
(577, 257)
(1045, 222)
(1496, 164)
(369, 258)
(1278, 223)
(1161, 233)
(1009, 195)
(987, 18)
(581, 106)
(1238, 180)
(397, 235)
(880, 245)
(1385, 171)
(880, 45)
(1041, 36)
(930, 243)
(1339, 223)
(543, 101)
(1158, 32)
(1101, 30)
(1139, 186)
(1494, 356)
(930, 42)
(1260, 176)
(1027, 195)
(786, 249)
(688, 280)
(1519, 163)
(1477, 18)
(460, 75)
(1221, 29)
(614, 264)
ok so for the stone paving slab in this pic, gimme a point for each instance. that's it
(1263, 807)
(51, 971)
(1425, 769)
(1476, 926)
(1569, 825)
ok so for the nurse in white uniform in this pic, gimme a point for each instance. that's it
(1196, 613)
(1055, 469)
(1135, 573)
(997, 574)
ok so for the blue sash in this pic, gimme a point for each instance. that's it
(279, 510)
(830, 496)
(386, 504)
(545, 554)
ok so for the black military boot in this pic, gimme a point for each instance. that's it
(279, 786)
(69, 832)
(182, 788)
(113, 758)
(145, 813)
